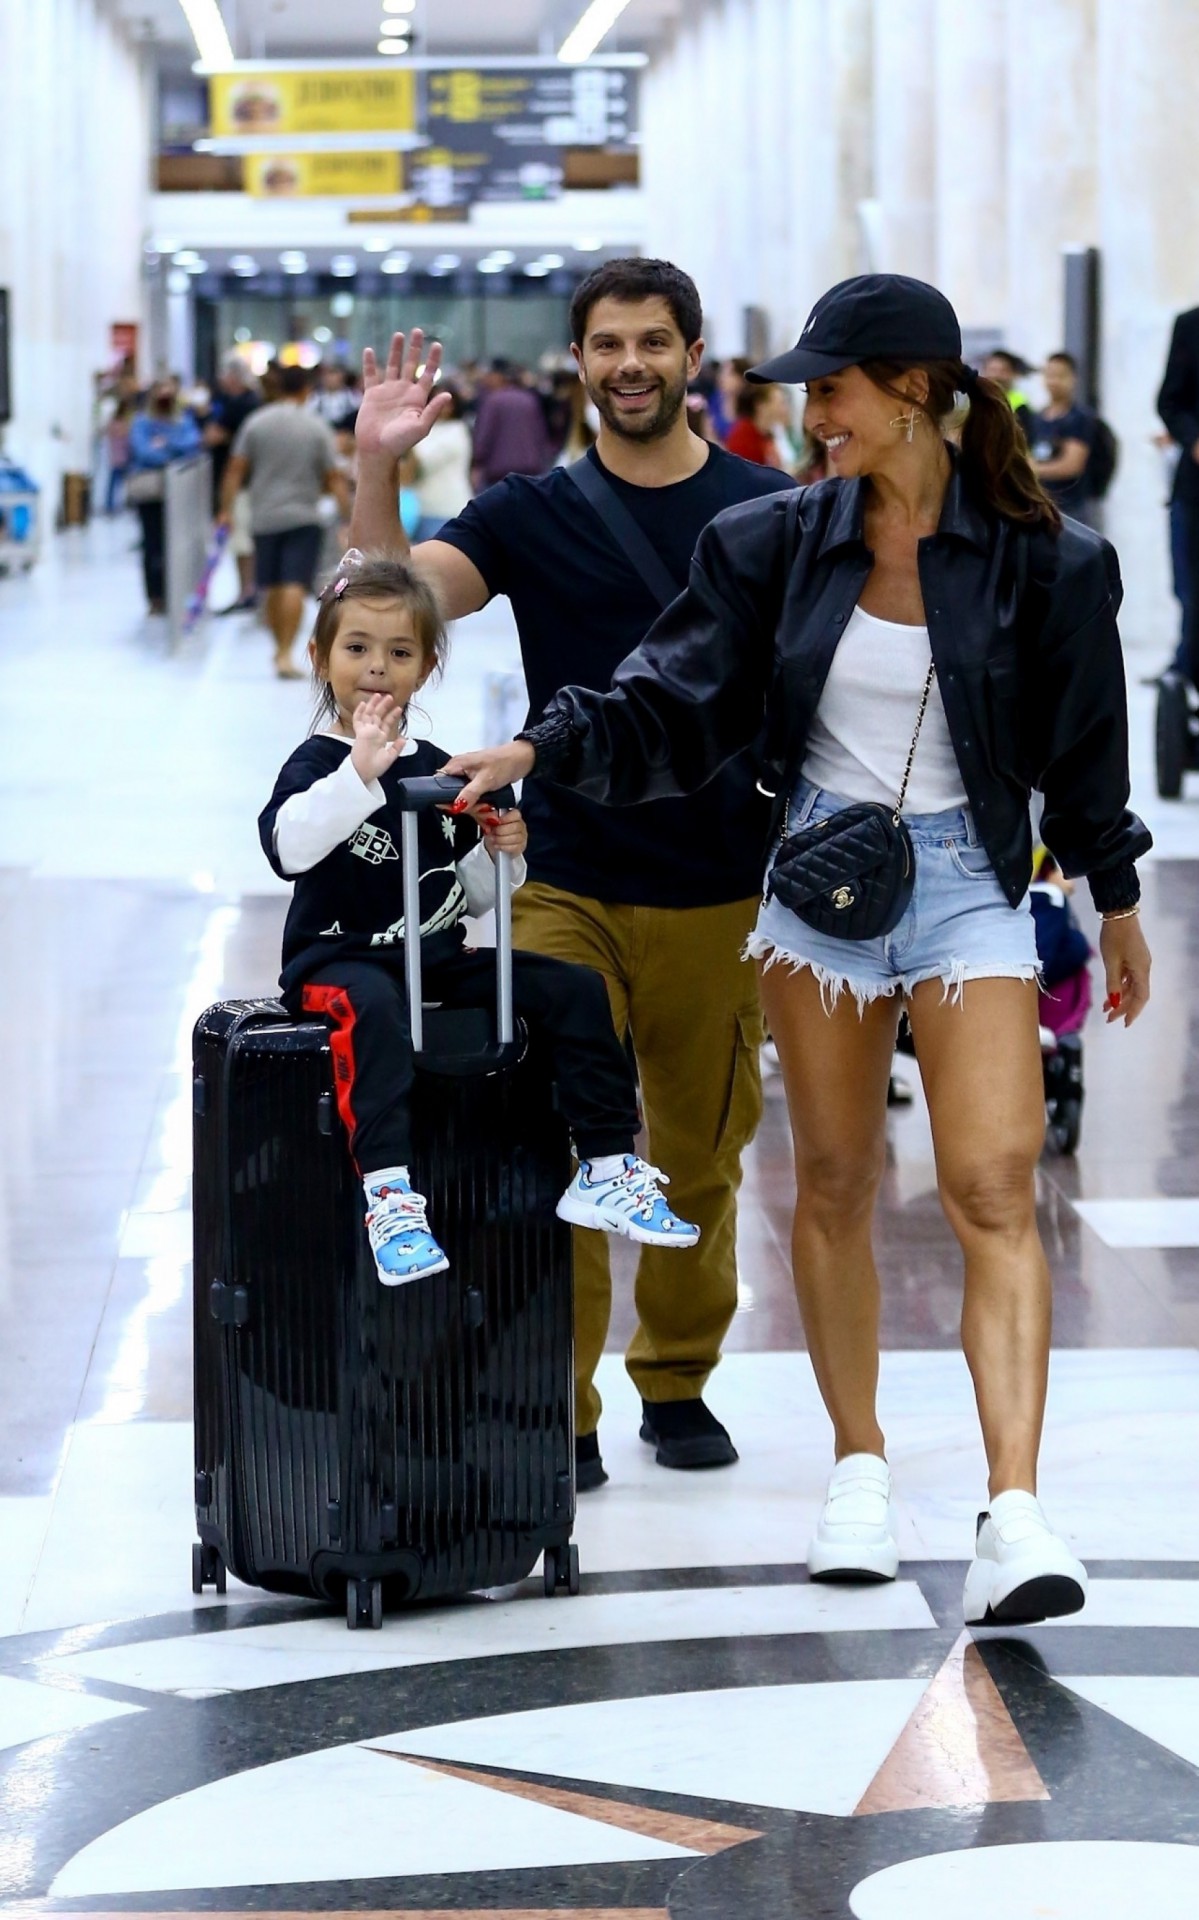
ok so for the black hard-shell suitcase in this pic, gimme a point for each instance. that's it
(380, 1444)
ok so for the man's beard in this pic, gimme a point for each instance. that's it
(652, 425)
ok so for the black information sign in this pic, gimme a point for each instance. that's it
(500, 133)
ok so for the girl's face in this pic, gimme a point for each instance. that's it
(375, 650)
(852, 418)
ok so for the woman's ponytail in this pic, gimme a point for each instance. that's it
(995, 460)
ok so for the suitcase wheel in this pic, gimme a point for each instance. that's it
(561, 1570)
(364, 1604)
(208, 1569)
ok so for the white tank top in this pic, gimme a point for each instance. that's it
(862, 731)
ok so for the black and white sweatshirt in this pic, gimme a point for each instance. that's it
(339, 840)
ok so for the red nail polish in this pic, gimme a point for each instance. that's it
(1113, 1001)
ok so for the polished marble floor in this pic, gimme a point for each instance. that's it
(701, 1733)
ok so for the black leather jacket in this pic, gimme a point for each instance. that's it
(1023, 632)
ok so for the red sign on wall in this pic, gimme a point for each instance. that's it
(123, 339)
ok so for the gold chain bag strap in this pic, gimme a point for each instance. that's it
(852, 875)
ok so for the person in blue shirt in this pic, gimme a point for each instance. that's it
(160, 433)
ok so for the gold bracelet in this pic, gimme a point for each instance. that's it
(1123, 913)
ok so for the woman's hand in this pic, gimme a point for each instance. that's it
(1126, 964)
(488, 769)
(502, 832)
(377, 738)
(398, 408)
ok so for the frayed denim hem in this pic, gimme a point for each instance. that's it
(832, 985)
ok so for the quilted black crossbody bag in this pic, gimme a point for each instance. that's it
(852, 874)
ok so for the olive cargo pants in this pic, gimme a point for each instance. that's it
(678, 984)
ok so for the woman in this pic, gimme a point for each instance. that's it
(761, 411)
(157, 436)
(443, 470)
(922, 574)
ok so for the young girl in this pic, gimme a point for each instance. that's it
(333, 826)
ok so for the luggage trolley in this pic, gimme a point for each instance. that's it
(20, 518)
(1177, 734)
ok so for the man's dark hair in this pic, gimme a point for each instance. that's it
(636, 279)
(293, 380)
(1067, 359)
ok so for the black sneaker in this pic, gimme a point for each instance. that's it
(589, 1468)
(686, 1435)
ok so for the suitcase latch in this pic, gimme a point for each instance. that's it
(229, 1306)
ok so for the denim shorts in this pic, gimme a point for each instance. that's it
(959, 924)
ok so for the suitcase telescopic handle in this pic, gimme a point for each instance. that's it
(415, 796)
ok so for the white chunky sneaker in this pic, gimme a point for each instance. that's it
(1022, 1571)
(855, 1537)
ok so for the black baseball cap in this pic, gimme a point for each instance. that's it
(874, 316)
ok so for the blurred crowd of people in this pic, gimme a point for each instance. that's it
(505, 418)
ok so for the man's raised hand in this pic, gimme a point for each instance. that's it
(399, 405)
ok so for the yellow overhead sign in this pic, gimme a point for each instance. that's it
(277, 176)
(329, 100)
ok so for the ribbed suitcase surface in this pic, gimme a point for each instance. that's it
(422, 1435)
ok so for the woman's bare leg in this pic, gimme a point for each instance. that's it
(835, 1070)
(980, 1061)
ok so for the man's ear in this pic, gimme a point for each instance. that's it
(695, 358)
(577, 356)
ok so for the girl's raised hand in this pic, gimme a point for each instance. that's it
(377, 737)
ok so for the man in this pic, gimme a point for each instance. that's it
(659, 898)
(1178, 405)
(1060, 438)
(511, 435)
(331, 399)
(289, 459)
(232, 404)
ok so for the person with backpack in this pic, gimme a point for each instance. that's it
(1072, 449)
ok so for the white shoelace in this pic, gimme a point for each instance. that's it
(395, 1213)
(637, 1188)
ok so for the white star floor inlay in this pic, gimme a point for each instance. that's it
(344, 1814)
(315, 1649)
(1164, 1707)
(812, 1748)
(30, 1712)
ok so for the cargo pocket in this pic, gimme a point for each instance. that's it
(743, 1097)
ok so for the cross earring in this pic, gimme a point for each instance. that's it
(908, 421)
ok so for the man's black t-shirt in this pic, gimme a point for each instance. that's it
(580, 607)
(228, 411)
(1046, 438)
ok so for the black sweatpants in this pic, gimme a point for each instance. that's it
(366, 1003)
(150, 513)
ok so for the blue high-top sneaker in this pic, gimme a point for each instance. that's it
(398, 1231)
(630, 1203)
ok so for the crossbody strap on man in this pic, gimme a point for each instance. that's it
(619, 522)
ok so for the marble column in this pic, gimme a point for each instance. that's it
(1149, 217)
(1052, 160)
(904, 232)
(971, 138)
(75, 165)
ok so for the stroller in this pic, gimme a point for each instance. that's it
(1064, 953)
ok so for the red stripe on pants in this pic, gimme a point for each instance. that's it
(334, 1003)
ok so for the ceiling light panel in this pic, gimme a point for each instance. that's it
(593, 25)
